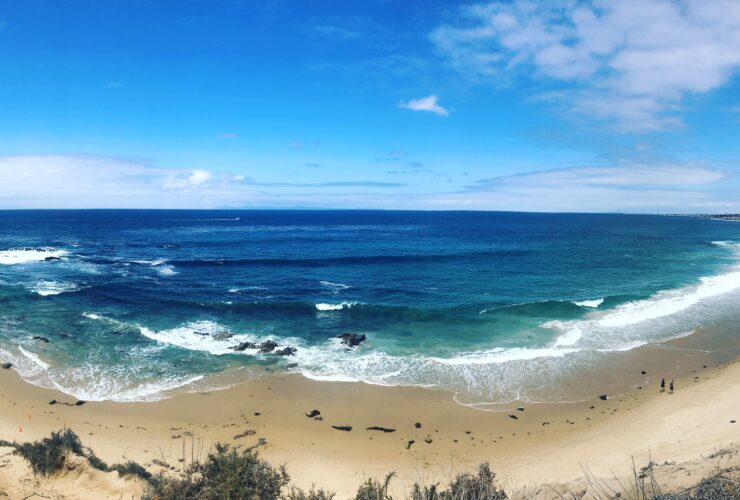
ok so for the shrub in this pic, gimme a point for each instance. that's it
(131, 468)
(480, 486)
(48, 455)
(375, 490)
(224, 474)
(312, 494)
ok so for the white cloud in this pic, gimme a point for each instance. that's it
(227, 135)
(629, 62)
(114, 85)
(296, 145)
(428, 103)
(103, 182)
(89, 181)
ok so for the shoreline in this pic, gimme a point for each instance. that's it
(604, 435)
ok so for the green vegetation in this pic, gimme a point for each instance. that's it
(49, 455)
(224, 474)
(230, 474)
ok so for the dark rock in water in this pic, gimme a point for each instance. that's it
(345, 428)
(313, 413)
(243, 346)
(64, 335)
(408, 445)
(513, 417)
(417, 425)
(286, 351)
(603, 397)
(291, 365)
(40, 338)
(643, 372)
(80, 403)
(53, 402)
(202, 334)
(51, 257)
(268, 346)
(352, 339)
(7, 365)
(223, 336)
(381, 429)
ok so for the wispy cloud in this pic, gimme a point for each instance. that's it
(227, 135)
(337, 33)
(114, 85)
(617, 188)
(90, 181)
(428, 104)
(296, 144)
(392, 156)
(630, 63)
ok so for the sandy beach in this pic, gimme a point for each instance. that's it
(528, 445)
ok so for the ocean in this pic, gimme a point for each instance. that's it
(133, 305)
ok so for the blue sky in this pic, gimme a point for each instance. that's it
(577, 106)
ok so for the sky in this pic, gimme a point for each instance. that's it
(567, 106)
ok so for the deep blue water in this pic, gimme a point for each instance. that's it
(487, 304)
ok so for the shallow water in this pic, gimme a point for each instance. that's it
(494, 306)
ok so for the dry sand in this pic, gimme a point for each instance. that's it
(544, 444)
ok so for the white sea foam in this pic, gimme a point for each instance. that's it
(109, 388)
(335, 307)
(166, 270)
(27, 255)
(570, 337)
(33, 357)
(594, 303)
(47, 287)
(91, 315)
(334, 287)
(500, 355)
(207, 336)
(153, 263)
(670, 302)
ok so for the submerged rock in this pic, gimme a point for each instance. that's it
(6, 366)
(286, 351)
(41, 339)
(223, 336)
(352, 339)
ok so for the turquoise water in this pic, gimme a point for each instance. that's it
(136, 304)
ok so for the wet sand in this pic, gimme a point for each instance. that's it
(432, 439)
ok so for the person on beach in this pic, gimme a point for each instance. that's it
(671, 387)
(662, 385)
